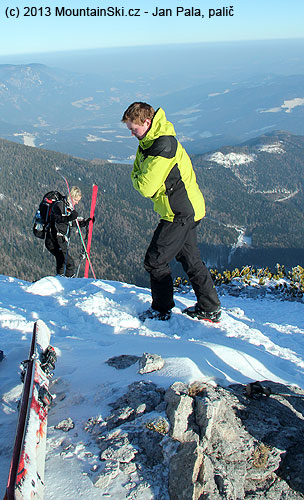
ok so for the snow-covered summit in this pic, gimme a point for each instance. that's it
(94, 320)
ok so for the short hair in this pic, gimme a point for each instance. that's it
(75, 193)
(138, 112)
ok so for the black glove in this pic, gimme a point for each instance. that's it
(73, 215)
(89, 219)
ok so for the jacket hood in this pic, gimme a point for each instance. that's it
(159, 126)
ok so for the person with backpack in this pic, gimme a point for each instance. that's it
(63, 217)
(163, 172)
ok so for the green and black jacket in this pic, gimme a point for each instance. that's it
(163, 172)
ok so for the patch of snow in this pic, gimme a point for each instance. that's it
(242, 241)
(185, 138)
(231, 159)
(287, 106)
(275, 148)
(205, 135)
(94, 138)
(290, 195)
(28, 139)
(215, 94)
(86, 103)
(188, 121)
(187, 111)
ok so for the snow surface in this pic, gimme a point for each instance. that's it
(287, 106)
(231, 159)
(276, 148)
(94, 320)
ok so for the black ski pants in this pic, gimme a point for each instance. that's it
(178, 240)
(59, 248)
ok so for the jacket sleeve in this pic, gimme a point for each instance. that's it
(150, 174)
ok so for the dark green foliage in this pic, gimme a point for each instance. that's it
(247, 196)
(123, 218)
(279, 281)
(264, 196)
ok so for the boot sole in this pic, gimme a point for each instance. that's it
(196, 316)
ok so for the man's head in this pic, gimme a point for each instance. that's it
(75, 195)
(138, 118)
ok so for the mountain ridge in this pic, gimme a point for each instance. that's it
(79, 114)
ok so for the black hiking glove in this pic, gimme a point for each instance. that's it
(87, 221)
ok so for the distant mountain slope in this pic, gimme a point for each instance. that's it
(254, 198)
(80, 114)
(226, 112)
(258, 188)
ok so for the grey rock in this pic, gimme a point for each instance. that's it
(184, 472)
(120, 416)
(221, 444)
(109, 472)
(150, 363)
(123, 361)
(65, 425)
(148, 442)
(139, 394)
(127, 467)
(123, 454)
(137, 492)
(180, 413)
(116, 446)
(244, 445)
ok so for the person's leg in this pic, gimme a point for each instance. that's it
(65, 262)
(167, 241)
(199, 275)
(54, 248)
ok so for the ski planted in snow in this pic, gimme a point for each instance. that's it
(79, 230)
(26, 475)
(90, 231)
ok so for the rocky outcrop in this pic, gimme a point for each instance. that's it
(244, 448)
(200, 442)
(150, 363)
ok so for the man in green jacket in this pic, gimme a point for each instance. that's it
(163, 172)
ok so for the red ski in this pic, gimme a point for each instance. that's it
(79, 231)
(26, 475)
(90, 231)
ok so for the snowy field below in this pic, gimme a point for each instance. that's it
(94, 320)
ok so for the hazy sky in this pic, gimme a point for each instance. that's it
(41, 30)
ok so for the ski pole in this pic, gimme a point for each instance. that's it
(66, 257)
(90, 229)
(82, 255)
(85, 249)
(79, 230)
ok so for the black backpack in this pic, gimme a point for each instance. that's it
(43, 215)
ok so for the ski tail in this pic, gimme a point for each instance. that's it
(90, 231)
(26, 474)
(79, 231)
(21, 426)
